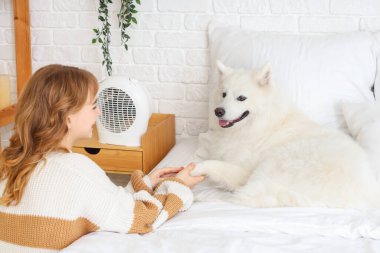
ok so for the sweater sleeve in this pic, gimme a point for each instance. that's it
(135, 184)
(113, 208)
(152, 208)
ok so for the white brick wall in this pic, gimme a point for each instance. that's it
(169, 48)
(308, 7)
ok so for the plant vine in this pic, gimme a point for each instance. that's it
(126, 16)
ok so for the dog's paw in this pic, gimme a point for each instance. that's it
(199, 170)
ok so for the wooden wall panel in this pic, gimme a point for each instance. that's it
(22, 42)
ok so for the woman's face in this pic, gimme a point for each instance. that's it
(82, 121)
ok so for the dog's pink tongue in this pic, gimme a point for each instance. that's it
(223, 123)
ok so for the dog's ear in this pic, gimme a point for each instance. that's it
(223, 69)
(264, 76)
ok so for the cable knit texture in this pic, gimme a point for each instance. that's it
(70, 196)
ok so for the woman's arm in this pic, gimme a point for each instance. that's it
(150, 207)
(112, 208)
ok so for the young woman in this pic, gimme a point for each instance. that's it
(51, 196)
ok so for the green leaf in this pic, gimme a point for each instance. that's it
(126, 17)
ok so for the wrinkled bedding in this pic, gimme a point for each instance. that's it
(224, 227)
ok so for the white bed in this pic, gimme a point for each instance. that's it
(317, 73)
(223, 227)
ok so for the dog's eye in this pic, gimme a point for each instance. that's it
(224, 94)
(241, 98)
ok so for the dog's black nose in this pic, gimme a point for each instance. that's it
(219, 112)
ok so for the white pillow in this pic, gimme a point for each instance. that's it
(363, 121)
(315, 72)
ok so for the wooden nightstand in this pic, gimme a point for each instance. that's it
(155, 144)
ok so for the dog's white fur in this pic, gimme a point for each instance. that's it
(276, 156)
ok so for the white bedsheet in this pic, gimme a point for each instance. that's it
(224, 227)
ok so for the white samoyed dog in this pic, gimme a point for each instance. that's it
(266, 153)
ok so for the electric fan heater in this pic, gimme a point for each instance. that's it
(126, 108)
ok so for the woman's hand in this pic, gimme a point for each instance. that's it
(158, 175)
(185, 176)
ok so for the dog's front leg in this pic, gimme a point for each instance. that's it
(229, 175)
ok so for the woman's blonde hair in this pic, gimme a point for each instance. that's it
(52, 93)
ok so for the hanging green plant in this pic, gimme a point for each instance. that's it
(126, 16)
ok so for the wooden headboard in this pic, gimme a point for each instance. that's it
(23, 54)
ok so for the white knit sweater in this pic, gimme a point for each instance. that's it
(69, 196)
